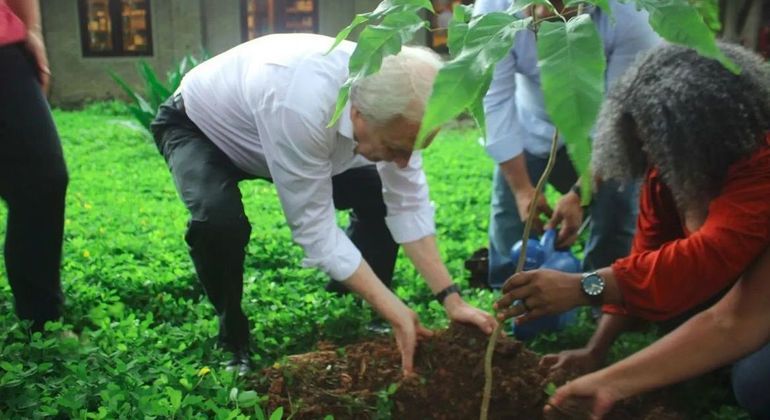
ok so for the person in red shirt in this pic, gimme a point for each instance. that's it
(700, 136)
(33, 175)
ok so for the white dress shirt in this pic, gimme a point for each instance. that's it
(266, 104)
(514, 105)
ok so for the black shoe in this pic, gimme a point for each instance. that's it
(240, 363)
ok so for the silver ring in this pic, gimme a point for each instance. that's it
(526, 307)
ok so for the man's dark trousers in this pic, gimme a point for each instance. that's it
(33, 183)
(219, 230)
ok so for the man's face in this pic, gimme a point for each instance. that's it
(392, 142)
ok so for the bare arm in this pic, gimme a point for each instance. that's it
(594, 354)
(425, 256)
(550, 292)
(515, 172)
(737, 325)
(28, 11)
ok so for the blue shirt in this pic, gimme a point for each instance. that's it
(514, 107)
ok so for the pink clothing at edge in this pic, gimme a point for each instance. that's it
(12, 29)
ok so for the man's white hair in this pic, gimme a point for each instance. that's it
(401, 87)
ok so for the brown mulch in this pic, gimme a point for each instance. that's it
(352, 382)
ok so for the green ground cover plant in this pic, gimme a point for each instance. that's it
(146, 345)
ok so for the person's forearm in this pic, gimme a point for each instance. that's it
(612, 294)
(737, 325)
(364, 283)
(609, 328)
(28, 11)
(515, 172)
(425, 256)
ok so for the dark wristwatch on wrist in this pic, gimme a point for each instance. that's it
(442, 295)
(592, 284)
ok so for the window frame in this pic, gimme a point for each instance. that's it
(280, 19)
(114, 9)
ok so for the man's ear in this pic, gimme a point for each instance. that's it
(354, 113)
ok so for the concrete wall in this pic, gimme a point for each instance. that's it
(221, 25)
(176, 29)
(179, 27)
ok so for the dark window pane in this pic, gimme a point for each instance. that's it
(98, 25)
(260, 18)
(300, 16)
(135, 18)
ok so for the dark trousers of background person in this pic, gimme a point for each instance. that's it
(614, 208)
(219, 230)
(33, 184)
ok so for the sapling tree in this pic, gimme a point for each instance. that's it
(570, 59)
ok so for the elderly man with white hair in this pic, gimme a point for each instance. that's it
(260, 111)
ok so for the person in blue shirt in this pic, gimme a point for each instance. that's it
(519, 133)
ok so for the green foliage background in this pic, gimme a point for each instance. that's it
(146, 330)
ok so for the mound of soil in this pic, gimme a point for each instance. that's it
(353, 382)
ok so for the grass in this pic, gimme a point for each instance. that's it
(146, 330)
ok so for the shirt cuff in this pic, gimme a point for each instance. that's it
(503, 150)
(409, 227)
(341, 262)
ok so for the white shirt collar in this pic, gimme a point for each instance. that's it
(345, 124)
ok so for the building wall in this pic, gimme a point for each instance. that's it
(221, 25)
(75, 79)
(179, 27)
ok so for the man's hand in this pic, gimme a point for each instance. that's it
(569, 214)
(602, 393)
(459, 311)
(539, 292)
(36, 48)
(524, 201)
(579, 360)
(407, 330)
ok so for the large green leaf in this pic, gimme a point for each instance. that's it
(709, 10)
(572, 64)
(476, 108)
(458, 28)
(463, 81)
(519, 5)
(677, 21)
(376, 42)
(156, 90)
(383, 9)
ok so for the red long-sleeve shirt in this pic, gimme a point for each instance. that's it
(671, 270)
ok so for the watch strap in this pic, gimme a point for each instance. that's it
(442, 295)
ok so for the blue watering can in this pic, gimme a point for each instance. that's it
(543, 254)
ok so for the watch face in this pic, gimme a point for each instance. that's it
(593, 285)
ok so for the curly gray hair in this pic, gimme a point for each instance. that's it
(686, 115)
(401, 87)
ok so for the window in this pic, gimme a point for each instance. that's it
(115, 27)
(262, 17)
(440, 21)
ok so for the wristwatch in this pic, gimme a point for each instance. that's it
(592, 285)
(442, 295)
